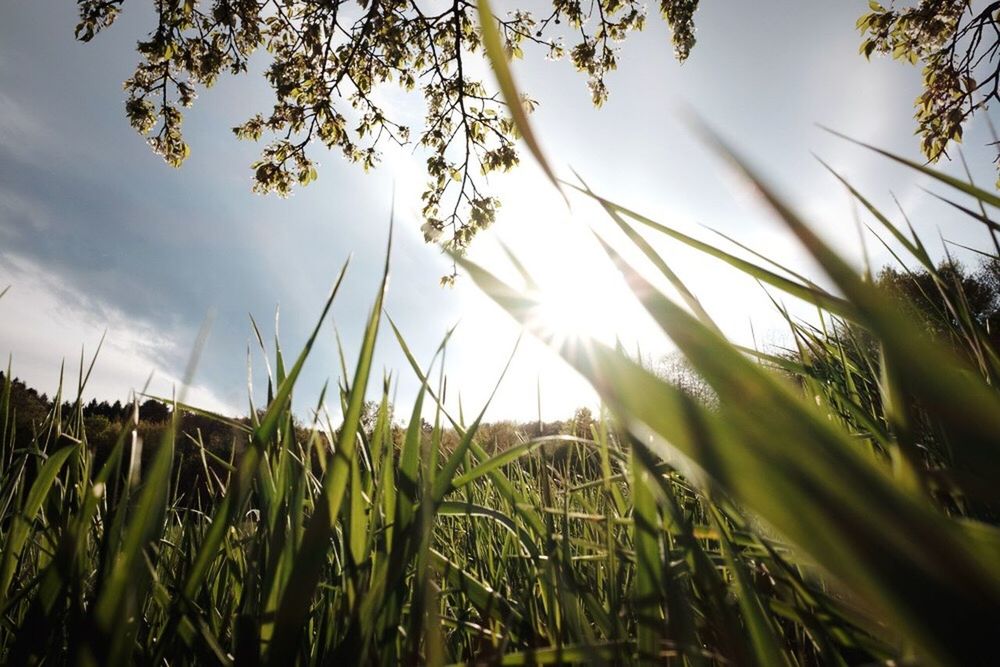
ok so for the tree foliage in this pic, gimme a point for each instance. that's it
(329, 63)
(928, 297)
(958, 46)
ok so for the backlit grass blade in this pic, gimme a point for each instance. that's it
(689, 298)
(807, 293)
(485, 599)
(649, 556)
(235, 500)
(834, 467)
(834, 490)
(987, 222)
(501, 459)
(497, 55)
(409, 466)
(982, 195)
(517, 500)
(20, 528)
(761, 256)
(942, 380)
(129, 578)
(763, 637)
(917, 251)
(467, 509)
(312, 556)
(443, 482)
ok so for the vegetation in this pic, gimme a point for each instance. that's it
(833, 503)
(957, 45)
(328, 61)
(203, 442)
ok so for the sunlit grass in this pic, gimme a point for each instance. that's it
(843, 510)
(832, 503)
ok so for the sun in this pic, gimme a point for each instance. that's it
(563, 313)
(577, 294)
(577, 304)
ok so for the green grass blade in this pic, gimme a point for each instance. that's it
(312, 556)
(497, 55)
(982, 195)
(21, 526)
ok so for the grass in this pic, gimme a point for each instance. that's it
(834, 504)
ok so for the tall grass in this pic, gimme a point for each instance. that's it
(833, 504)
(869, 452)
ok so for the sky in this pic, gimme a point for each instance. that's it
(99, 237)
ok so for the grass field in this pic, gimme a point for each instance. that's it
(831, 504)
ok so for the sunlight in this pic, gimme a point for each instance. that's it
(573, 307)
(579, 296)
(590, 387)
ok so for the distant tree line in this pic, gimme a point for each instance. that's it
(920, 295)
(105, 421)
(918, 292)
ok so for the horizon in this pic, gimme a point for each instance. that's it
(97, 234)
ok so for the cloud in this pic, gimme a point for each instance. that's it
(20, 129)
(19, 215)
(54, 321)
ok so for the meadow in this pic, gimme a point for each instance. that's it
(831, 503)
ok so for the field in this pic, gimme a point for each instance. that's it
(833, 503)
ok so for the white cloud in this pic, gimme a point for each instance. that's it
(45, 319)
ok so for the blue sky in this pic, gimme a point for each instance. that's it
(97, 233)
